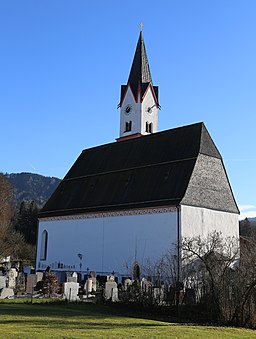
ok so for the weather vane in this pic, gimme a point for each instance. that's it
(141, 26)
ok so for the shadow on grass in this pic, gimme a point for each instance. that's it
(67, 311)
(73, 310)
(70, 310)
(80, 323)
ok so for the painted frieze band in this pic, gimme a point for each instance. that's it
(112, 214)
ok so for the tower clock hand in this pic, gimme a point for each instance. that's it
(128, 108)
(150, 108)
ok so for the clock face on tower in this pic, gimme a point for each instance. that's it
(149, 109)
(128, 109)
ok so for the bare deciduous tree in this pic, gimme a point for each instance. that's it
(245, 282)
(11, 242)
(226, 273)
(5, 198)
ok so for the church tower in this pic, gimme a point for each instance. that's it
(139, 98)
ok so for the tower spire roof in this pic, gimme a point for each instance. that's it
(140, 77)
(140, 72)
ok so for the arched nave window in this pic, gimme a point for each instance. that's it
(44, 243)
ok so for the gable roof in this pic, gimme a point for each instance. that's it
(149, 171)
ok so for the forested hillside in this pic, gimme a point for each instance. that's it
(32, 187)
(21, 197)
(247, 228)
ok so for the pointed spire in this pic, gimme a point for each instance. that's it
(140, 77)
(140, 72)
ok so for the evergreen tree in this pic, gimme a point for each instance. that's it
(26, 222)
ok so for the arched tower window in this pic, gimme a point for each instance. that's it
(128, 126)
(149, 127)
(44, 243)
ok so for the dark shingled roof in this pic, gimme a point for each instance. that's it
(140, 76)
(149, 171)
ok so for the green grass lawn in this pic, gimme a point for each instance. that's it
(39, 320)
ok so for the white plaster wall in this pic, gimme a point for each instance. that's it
(107, 243)
(197, 221)
(133, 116)
(149, 101)
(139, 115)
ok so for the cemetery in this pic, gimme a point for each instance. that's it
(149, 293)
(20, 282)
(23, 282)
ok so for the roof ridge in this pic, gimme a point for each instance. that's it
(149, 136)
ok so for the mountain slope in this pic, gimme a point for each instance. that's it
(29, 186)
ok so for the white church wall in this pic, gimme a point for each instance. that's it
(197, 221)
(107, 243)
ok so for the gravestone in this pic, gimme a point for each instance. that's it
(72, 278)
(158, 294)
(71, 291)
(71, 288)
(94, 284)
(6, 293)
(2, 281)
(31, 283)
(111, 288)
(114, 297)
(12, 275)
(39, 276)
(32, 280)
(20, 283)
(127, 284)
(146, 285)
(88, 285)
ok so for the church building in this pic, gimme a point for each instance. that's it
(133, 199)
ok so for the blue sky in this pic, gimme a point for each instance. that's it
(62, 63)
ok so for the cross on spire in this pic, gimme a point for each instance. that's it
(141, 26)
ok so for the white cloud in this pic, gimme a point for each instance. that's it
(246, 207)
(247, 211)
